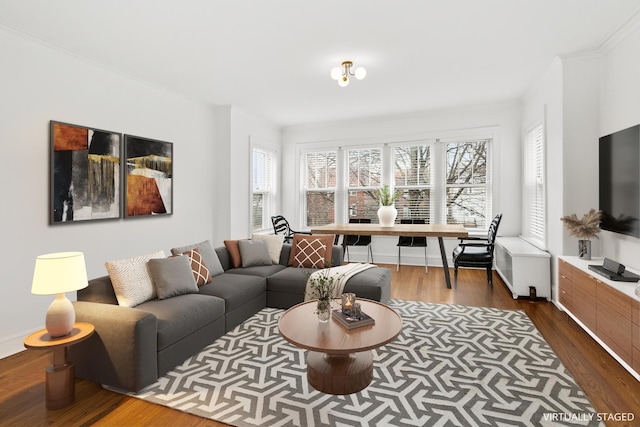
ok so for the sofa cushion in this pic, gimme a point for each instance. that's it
(200, 271)
(311, 251)
(208, 255)
(182, 315)
(254, 253)
(131, 280)
(172, 276)
(274, 244)
(374, 283)
(234, 253)
(290, 280)
(260, 270)
(235, 289)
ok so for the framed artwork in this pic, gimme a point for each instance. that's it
(85, 181)
(148, 176)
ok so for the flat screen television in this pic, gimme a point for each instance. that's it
(620, 181)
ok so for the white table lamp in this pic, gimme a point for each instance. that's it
(56, 274)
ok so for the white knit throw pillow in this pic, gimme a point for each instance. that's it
(131, 280)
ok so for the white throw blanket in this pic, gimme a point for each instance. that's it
(340, 276)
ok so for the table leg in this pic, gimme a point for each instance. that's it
(339, 374)
(445, 264)
(60, 388)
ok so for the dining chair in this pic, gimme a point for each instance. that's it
(281, 226)
(357, 240)
(478, 252)
(412, 242)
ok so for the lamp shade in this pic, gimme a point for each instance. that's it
(59, 273)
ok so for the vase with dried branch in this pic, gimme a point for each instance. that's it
(584, 229)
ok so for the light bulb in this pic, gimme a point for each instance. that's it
(336, 72)
(361, 73)
(344, 80)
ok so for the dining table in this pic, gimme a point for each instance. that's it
(440, 231)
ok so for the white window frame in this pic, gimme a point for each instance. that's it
(437, 187)
(269, 191)
(534, 191)
(325, 189)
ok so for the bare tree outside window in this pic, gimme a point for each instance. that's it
(320, 187)
(365, 175)
(466, 183)
(457, 175)
(412, 175)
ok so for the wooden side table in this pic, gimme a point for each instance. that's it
(61, 374)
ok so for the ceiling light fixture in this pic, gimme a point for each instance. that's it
(342, 74)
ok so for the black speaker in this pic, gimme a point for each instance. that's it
(613, 266)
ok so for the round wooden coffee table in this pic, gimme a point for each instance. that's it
(339, 360)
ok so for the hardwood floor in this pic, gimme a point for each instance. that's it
(609, 387)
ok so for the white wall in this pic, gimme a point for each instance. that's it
(620, 109)
(585, 96)
(236, 131)
(543, 102)
(38, 84)
(504, 119)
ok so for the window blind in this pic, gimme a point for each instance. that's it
(534, 183)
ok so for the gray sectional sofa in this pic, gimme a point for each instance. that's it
(132, 347)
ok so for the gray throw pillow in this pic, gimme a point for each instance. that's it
(254, 253)
(172, 276)
(208, 254)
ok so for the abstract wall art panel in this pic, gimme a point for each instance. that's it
(85, 174)
(148, 177)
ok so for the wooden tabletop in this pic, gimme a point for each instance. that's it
(426, 230)
(42, 340)
(300, 326)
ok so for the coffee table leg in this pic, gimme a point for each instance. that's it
(339, 374)
(60, 380)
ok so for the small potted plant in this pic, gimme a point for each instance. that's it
(387, 212)
(584, 229)
(320, 286)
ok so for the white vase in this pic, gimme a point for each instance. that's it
(387, 215)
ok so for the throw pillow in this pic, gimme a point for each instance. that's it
(234, 253)
(172, 276)
(311, 251)
(274, 245)
(131, 281)
(254, 253)
(208, 253)
(200, 271)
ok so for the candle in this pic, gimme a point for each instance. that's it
(348, 300)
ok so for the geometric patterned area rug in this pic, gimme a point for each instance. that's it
(452, 365)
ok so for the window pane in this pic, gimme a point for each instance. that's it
(365, 167)
(467, 206)
(321, 170)
(414, 204)
(363, 204)
(412, 165)
(257, 211)
(467, 162)
(320, 207)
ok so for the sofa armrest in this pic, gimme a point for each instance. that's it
(122, 352)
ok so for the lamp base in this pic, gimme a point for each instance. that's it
(60, 316)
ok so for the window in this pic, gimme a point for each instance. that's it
(263, 191)
(320, 187)
(439, 181)
(365, 170)
(412, 176)
(466, 183)
(534, 187)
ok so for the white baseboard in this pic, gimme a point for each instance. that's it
(12, 345)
